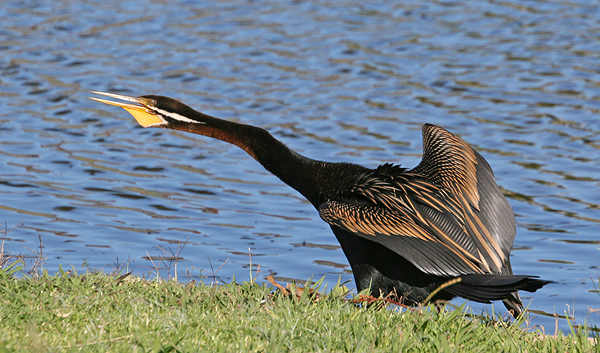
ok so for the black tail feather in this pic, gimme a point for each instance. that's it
(484, 288)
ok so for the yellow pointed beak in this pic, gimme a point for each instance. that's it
(140, 111)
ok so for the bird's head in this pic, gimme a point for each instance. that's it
(154, 111)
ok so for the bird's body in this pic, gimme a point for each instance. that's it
(404, 232)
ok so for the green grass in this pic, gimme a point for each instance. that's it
(94, 311)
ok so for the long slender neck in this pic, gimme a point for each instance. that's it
(313, 179)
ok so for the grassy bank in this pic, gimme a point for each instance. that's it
(93, 311)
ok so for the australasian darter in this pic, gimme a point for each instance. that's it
(404, 232)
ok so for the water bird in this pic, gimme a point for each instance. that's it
(404, 232)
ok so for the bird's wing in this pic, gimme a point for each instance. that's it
(412, 236)
(453, 165)
(446, 216)
(450, 163)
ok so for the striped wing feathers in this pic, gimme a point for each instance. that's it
(432, 208)
(422, 244)
(450, 163)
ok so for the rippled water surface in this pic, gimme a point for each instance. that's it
(334, 80)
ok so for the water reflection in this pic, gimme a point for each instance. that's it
(334, 80)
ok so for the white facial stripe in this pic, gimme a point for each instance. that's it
(156, 124)
(177, 117)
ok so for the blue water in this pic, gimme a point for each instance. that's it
(334, 80)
